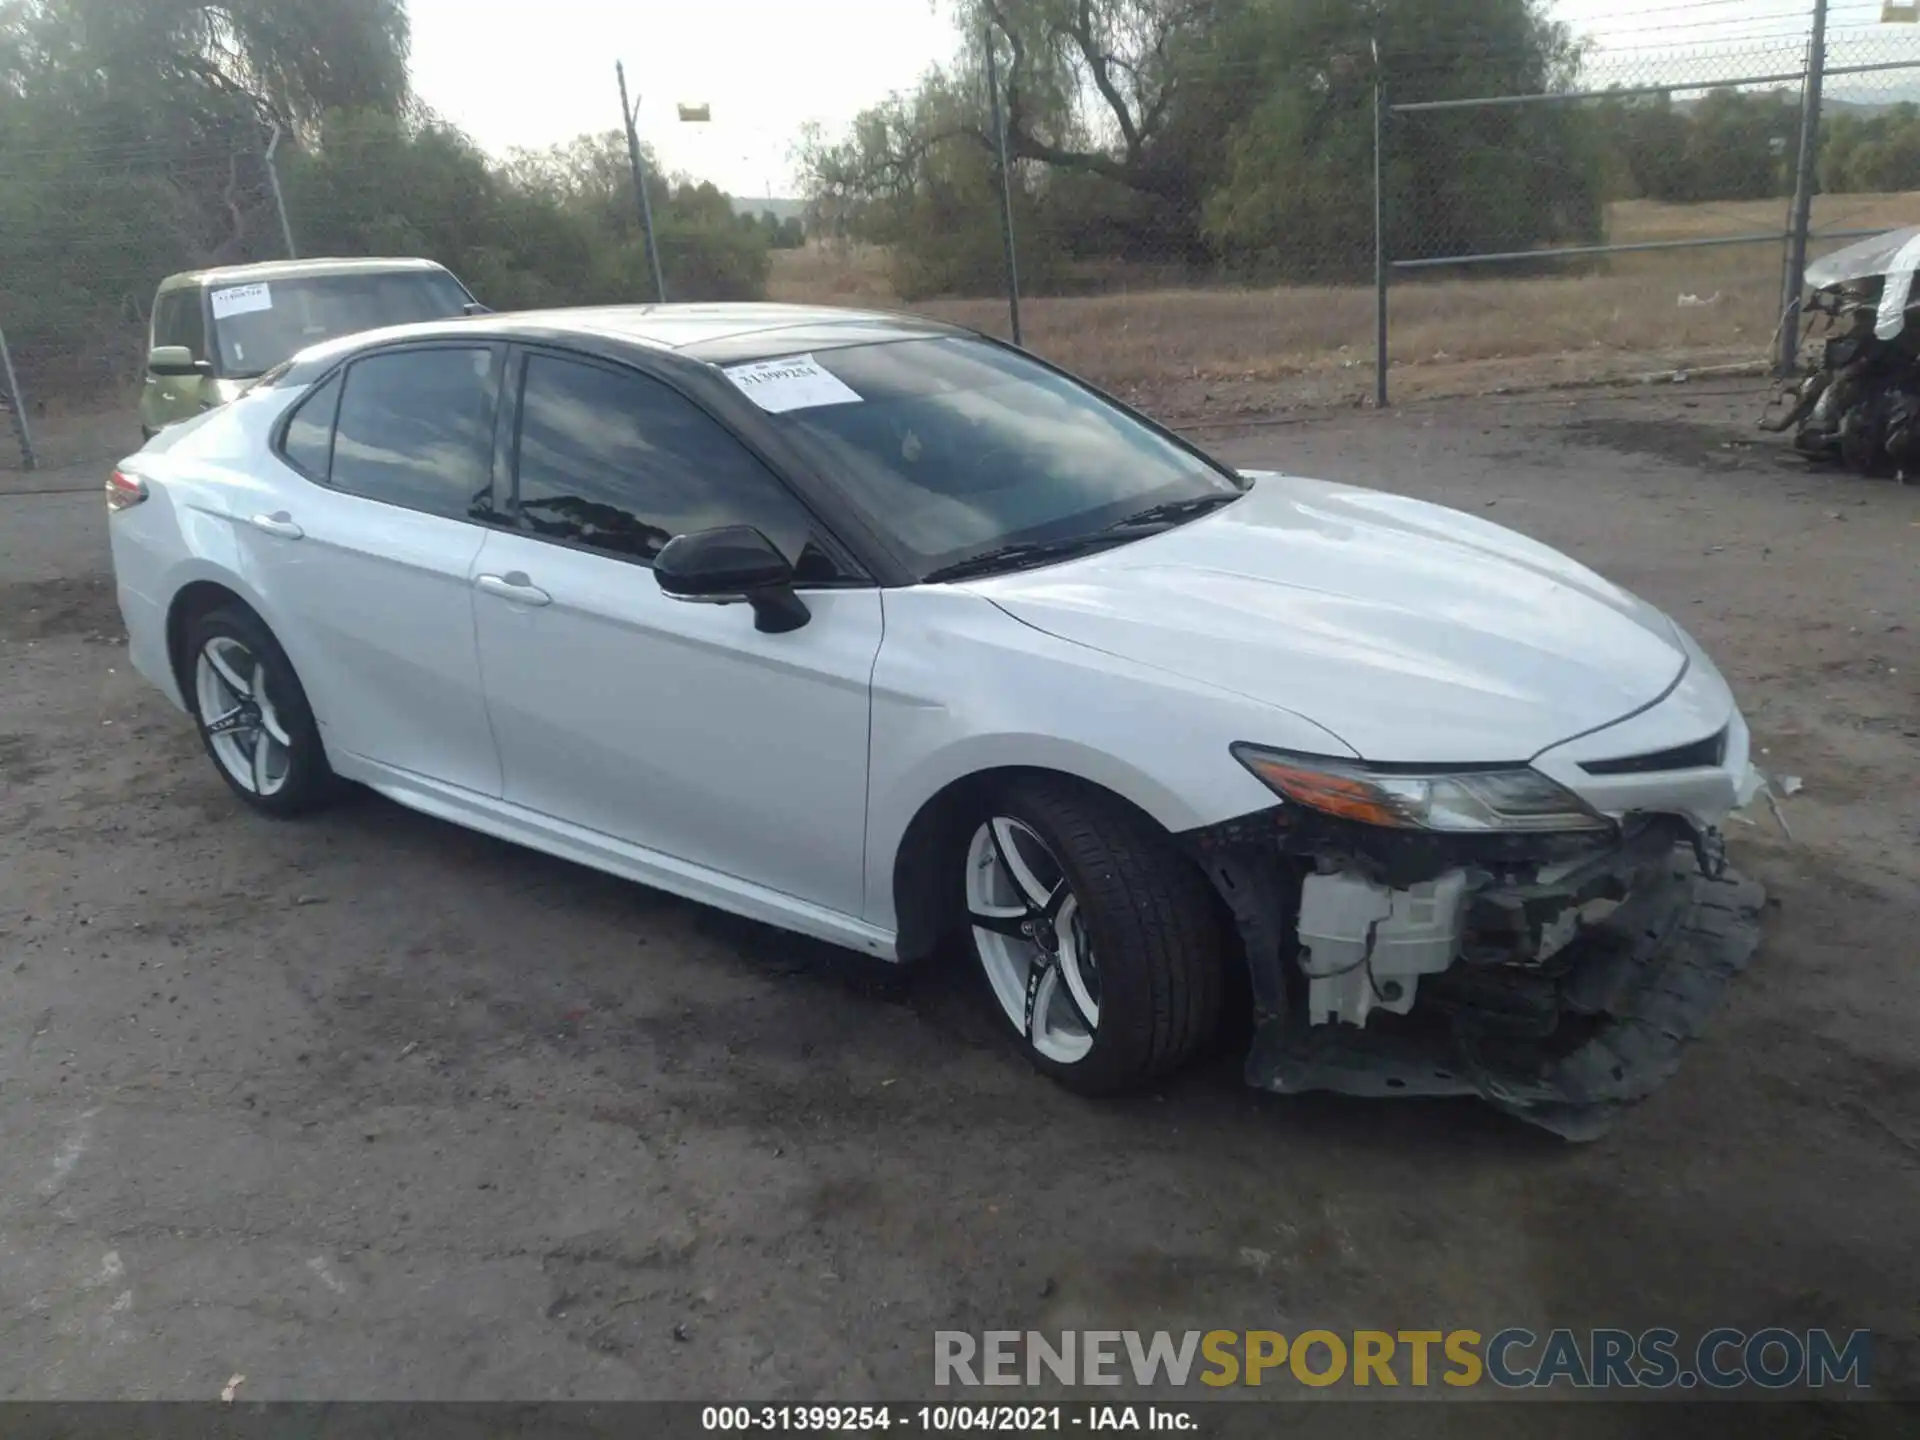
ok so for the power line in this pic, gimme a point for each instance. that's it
(1680, 9)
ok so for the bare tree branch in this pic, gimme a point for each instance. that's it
(1097, 61)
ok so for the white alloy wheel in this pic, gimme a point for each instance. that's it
(243, 728)
(1030, 933)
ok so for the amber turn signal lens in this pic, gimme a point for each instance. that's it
(1340, 795)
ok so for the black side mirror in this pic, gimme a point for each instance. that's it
(174, 360)
(727, 566)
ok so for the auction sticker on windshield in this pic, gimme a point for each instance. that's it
(796, 383)
(241, 300)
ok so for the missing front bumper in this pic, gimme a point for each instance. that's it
(1646, 981)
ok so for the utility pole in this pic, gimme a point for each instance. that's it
(1380, 270)
(17, 403)
(279, 199)
(628, 114)
(1806, 176)
(1006, 185)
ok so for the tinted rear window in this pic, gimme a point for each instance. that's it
(309, 440)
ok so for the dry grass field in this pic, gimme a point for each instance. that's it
(1192, 352)
(1197, 354)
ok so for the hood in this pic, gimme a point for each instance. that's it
(1413, 632)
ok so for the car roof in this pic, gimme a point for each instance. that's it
(713, 333)
(268, 270)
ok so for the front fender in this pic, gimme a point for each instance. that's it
(960, 688)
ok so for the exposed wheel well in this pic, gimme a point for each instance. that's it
(192, 602)
(926, 897)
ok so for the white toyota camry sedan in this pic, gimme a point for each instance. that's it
(884, 632)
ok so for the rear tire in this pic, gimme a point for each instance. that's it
(1098, 939)
(253, 715)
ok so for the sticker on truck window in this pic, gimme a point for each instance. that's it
(241, 300)
(796, 383)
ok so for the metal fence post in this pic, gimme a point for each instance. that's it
(1806, 176)
(627, 111)
(1380, 268)
(17, 405)
(1006, 185)
(279, 199)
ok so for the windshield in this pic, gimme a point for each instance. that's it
(954, 446)
(257, 326)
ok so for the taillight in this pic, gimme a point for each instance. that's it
(125, 491)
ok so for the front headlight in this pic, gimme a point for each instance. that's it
(1464, 800)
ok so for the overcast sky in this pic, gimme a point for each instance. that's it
(536, 72)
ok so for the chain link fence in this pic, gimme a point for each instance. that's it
(1676, 248)
(1376, 205)
(1612, 214)
(89, 224)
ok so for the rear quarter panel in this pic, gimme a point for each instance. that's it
(205, 475)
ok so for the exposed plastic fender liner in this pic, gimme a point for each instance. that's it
(1264, 896)
(1681, 941)
(1243, 861)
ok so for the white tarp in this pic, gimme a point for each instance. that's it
(1893, 298)
(1863, 260)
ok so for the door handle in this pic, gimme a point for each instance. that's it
(514, 586)
(280, 524)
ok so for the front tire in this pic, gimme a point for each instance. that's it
(1098, 940)
(253, 715)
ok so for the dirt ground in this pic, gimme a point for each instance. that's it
(370, 1106)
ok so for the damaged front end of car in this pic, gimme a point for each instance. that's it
(1856, 400)
(1479, 931)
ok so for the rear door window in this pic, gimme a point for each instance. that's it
(415, 428)
(308, 444)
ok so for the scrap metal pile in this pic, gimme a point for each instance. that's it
(1859, 404)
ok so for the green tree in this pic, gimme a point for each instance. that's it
(1727, 145)
(132, 141)
(916, 174)
(1234, 133)
(1741, 145)
(1872, 152)
(553, 227)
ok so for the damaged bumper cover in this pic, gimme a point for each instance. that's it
(1567, 987)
